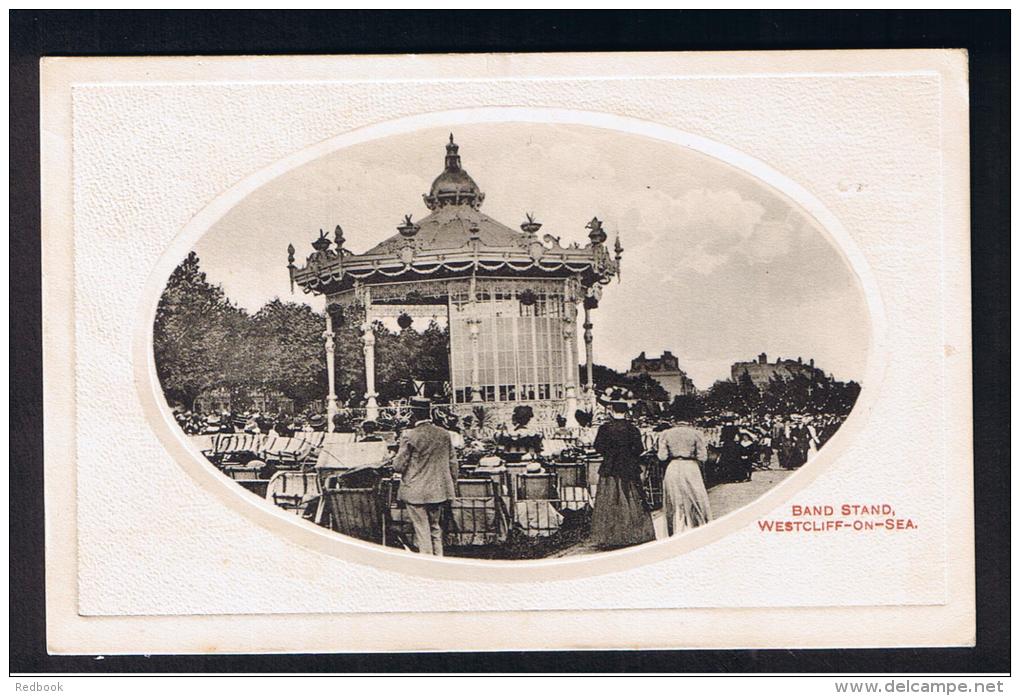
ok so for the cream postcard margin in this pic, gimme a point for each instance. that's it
(112, 589)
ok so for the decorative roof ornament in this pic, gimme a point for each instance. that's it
(597, 234)
(338, 238)
(408, 229)
(618, 254)
(454, 186)
(530, 226)
(291, 266)
(322, 243)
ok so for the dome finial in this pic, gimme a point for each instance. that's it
(452, 158)
(454, 186)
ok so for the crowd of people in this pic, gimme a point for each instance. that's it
(694, 452)
(770, 441)
(427, 459)
(226, 421)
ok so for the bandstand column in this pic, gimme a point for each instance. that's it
(590, 376)
(368, 338)
(328, 335)
(474, 325)
(371, 405)
(570, 364)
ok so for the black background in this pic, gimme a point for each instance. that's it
(96, 33)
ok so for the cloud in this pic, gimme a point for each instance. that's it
(700, 230)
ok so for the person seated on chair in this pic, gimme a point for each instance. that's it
(521, 441)
(427, 464)
(451, 424)
(468, 429)
(368, 430)
(562, 431)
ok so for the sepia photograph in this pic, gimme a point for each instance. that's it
(512, 341)
(470, 358)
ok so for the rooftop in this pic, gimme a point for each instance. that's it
(455, 239)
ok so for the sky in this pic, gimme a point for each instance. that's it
(718, 266)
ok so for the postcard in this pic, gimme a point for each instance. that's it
(493, 352)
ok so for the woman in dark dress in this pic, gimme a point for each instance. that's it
(620, 518)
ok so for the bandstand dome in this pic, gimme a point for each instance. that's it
(510, 297)
(453, 186)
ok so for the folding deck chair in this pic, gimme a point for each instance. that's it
(534, 506)
(572, 485)
(354, 506)
(478, 516)
(293, 490)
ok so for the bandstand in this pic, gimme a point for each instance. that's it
(510, 298)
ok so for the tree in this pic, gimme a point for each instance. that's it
(643, 386)
(724, 395)
(283, 350)
(195, 334)
(748, 397)
(410, 356)
(687, 407)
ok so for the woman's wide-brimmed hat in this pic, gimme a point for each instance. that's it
(316, 419)
(616, 396)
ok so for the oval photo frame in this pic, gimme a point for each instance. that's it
(345, 548)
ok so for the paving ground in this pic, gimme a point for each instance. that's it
(727, 497)
(724, 499)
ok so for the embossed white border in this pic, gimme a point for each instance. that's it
(951, 623)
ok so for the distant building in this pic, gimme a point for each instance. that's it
(665, 370)
(761, 370)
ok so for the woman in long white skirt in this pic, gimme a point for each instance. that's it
(684, 497)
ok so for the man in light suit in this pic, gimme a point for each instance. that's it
(427, 464)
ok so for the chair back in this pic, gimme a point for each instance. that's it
(313, 439)
(476, 488)
(356, 512)
(256, 486)
(242, 473)
(305, 484)
(571, 474)
(536, 487)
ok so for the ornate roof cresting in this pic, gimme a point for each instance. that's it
(457, 240)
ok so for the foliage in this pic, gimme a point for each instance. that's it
(283, 349)
(798, 394)
(643, 386)
(482, 416)
(195, 333)
(688, 407)
(202, 341)
(407, 356)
